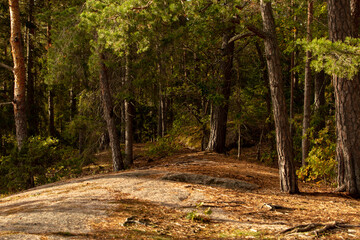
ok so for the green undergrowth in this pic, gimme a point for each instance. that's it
(321, 164)
(40, 161)
(164, 147)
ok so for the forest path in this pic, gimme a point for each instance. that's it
(141, 204)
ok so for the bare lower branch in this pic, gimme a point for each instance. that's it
(240, 36)
(143, 7)
(6, 103)
(7, 67)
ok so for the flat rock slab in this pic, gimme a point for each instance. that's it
(210, 181)
(66, 209)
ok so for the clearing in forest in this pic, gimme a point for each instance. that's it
(189, 195)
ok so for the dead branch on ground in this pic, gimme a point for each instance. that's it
(317, 228)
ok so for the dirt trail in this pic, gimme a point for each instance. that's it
(95, 207)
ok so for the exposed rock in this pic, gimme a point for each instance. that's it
(210, 181)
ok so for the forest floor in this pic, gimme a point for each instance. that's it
(234, 199)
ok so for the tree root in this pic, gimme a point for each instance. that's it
(317, 228)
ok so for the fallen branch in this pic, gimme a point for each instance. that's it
(273, 207)
(317, 228)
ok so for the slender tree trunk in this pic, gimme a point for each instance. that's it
(129, 133)
(292, 82)
(19, 73)
(319, 91)
(32, 113)
(307, 90)
(347, 104)
(129, 118)
(159, 123)
(72, 103)
(51, 113)
(110, 116)
(219, 111)
(164, 109)
(51, 94)
(239, 142)
(288, 179)
(292, 72)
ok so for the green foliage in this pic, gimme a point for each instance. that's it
(335, 58)
(321, 163)
(163, 147)
(197, 216)
(40, 161)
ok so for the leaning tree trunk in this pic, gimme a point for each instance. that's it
(219, 111)
(307, 90)
(19, 73)
(347, 104)
(288, 179)
(110, 116)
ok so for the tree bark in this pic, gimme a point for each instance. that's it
(288, 179)
(347, 104)
(307, 90)
(110, 116)
(219, 111)
(19, 73)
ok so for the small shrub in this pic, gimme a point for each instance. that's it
(321, 164)
(199, 217)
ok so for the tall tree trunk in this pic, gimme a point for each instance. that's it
(219, 111)
(110, 116)
(32, 112)
(51, 94)
(129, 118)
(347, 104)
(307, 90)
(288, 179)
(19, 73)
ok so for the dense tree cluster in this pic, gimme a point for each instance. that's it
(230, 73)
